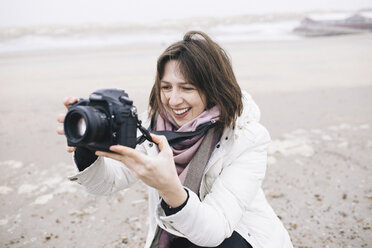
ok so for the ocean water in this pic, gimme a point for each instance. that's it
(37, 25)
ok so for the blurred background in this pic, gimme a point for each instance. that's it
(306, 63)
(44, 25)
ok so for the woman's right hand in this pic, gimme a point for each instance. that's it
(61, 118)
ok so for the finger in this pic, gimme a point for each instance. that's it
(127, 152)
(122, 150)
(161, 141)
(60, 131)
(61, 118)
(69, 100)
(71, 149)
(66, 101)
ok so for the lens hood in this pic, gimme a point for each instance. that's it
(96, 124)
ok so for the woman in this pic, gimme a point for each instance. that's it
(205, 191)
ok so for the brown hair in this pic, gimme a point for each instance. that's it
(206, 65)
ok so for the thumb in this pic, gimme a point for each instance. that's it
(161, 141)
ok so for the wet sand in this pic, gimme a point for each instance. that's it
(315, 96)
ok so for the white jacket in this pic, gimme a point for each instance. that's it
(231, 197)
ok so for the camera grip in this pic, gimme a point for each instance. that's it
(127, 135)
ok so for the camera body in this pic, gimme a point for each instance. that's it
(107, 118)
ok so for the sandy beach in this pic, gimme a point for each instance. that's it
(315, 97)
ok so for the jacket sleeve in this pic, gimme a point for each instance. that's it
(105, 176)
(209, 222)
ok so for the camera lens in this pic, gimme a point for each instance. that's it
(85, 124)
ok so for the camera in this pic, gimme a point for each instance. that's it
(107, 118)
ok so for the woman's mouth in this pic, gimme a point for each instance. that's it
(181, 112)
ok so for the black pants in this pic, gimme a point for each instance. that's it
(235, 241)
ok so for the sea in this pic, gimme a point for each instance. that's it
(41, 25)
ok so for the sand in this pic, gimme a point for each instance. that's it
(315, 96)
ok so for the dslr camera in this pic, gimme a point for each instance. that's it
(107, 118)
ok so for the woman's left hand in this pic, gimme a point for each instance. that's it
(158, 172)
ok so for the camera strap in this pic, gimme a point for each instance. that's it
(145, 134)
(175, 138)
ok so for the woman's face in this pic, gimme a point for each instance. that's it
(182, 100)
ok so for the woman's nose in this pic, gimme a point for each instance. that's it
(175, 98)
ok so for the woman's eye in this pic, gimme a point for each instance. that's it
(165, 87)
(188, 88)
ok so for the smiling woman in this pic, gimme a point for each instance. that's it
(180, 99)
(201, 70)
(205, 190)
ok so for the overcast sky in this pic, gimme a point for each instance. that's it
(36, 12)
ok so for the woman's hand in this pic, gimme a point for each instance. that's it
(158, 172)
(61, 118)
